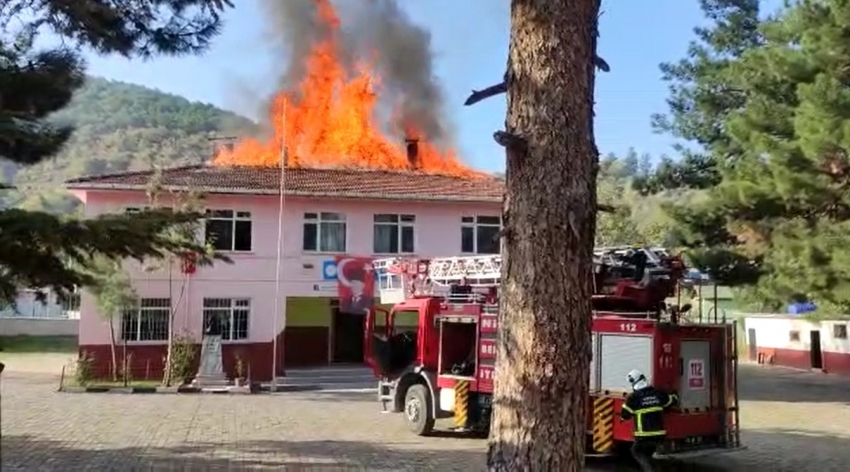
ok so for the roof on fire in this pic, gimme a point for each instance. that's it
(328, 182)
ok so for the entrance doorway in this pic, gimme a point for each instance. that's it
(348, 331)
(751, 344)
(816, 354)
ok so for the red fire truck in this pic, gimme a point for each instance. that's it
(434, 351)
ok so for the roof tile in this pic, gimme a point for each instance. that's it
(331, 182)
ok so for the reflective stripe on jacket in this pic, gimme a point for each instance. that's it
(647, 407)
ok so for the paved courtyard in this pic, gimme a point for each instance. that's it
(793, 421)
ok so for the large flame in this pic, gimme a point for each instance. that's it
(331, 121)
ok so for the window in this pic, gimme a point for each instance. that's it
(480, 234)
(131, 210)
(794, 336)
(232, 315)
(70, 302)
(324, 232)
(228, 230)
(839, 331)
(393, 234)
(147, 321)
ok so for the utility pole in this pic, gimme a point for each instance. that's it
(278, 304)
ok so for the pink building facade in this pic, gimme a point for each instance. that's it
(326, 214)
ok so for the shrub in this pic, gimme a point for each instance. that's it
(240, 365)
(184, 354)
(84, 372)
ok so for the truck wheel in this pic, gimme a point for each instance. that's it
(418, 411)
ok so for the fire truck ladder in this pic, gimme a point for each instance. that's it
(732, 417)
(475, 271)
(483, 271)
(399, 277)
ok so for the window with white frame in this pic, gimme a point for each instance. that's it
(232, 313)
(480, 234)
(324, 232)
(147, 321)
(228, 230)
(393, 234)
(132, 210)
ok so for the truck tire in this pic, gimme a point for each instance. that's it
(418, 411)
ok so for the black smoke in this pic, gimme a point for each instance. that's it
(381, 33)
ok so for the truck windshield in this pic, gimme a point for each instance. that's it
(405, 321)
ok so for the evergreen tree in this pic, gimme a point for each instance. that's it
(702, 95)
(704, 91)
(786, 198)
(778, 218)
(38, 249)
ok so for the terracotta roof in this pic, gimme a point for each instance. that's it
(344, 183)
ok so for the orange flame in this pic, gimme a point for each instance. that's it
(330, 123)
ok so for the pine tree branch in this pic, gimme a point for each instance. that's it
(150, 27)
(502, 87)
(39, 250)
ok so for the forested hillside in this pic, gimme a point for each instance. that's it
(120, 127)
(637, 218)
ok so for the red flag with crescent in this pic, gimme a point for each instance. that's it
(355, 284)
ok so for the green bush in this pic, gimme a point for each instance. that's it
(184, 355)
(84, 372)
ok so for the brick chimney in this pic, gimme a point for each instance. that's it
(412, 146)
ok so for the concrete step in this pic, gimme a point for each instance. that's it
(343, 378)
(330, 372)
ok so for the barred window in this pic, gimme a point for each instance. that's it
(147, 321)
(232, 313)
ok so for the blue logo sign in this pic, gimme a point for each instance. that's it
(329, 270)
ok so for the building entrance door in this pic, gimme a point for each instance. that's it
(348, 330)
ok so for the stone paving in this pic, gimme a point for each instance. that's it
(792, 421)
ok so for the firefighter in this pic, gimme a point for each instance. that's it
(646, 405)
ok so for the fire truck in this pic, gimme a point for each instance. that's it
(434, 351)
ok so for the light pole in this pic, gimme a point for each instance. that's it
(277, 290)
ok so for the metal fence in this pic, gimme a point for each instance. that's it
(52, 306)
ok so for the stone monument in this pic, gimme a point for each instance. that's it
(211, 371)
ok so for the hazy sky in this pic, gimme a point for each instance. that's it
(470, 41)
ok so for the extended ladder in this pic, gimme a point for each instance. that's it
(400, 278)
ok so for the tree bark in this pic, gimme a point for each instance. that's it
(166, 374)
(169, 359)
(542, 372)
(112, 348)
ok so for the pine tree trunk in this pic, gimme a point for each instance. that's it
(542, 373)
(112, 349)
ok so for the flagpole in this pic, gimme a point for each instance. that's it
(277, 290)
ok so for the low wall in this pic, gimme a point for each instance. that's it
(39, 327)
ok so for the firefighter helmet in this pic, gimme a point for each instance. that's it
(637, 380)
